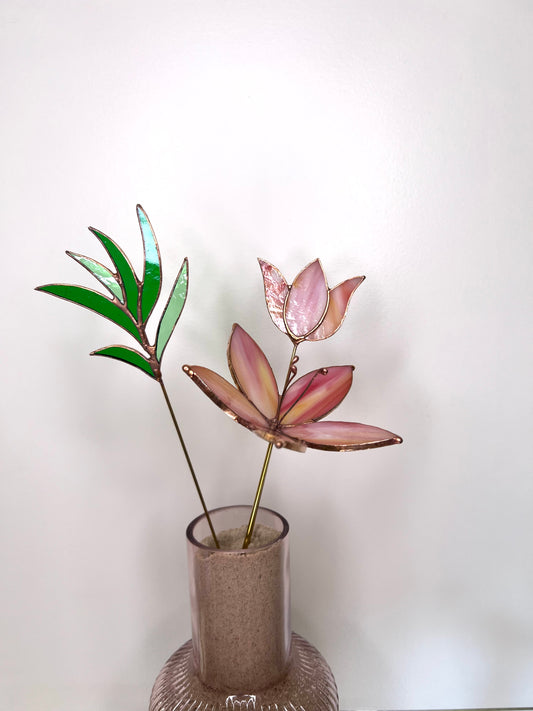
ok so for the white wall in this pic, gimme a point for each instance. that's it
(389, 138)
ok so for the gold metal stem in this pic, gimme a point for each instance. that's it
(288, 378)
(258, 493)
(257, 499)
(191, 469)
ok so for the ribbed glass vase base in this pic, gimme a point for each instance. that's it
(308, 686)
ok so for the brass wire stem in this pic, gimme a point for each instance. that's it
(191, 469)
(288, 378)
(259, 492)
(257, 499)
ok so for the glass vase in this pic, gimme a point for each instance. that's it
(242, 654)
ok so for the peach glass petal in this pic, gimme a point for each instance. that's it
(339, 298)
(226, 396)
(239, 408)
(316, 394)
(307, 300)
(276, 289)
(342, 436)
(252, 372)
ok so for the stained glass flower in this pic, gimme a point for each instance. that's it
(306, 309)
(292, 420)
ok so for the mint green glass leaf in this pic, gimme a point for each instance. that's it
(95, 302)
(152, 266)
(127, 355)
(173, 309)
(124, 269)
(106, 277)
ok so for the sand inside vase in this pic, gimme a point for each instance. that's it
(240, 609)
(232, 538)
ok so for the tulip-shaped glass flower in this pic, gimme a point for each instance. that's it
(306, 310)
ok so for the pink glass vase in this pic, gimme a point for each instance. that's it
(242, 654)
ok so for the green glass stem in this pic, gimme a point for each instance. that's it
(191, 469)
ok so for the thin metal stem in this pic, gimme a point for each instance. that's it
(186, 453)
(259, 492)
(288, 378)
(257, 499)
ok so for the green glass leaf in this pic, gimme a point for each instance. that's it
(124, 269)
(102, 273)
(173, 309)
(152, 266)
(93, 301)
(127, 355)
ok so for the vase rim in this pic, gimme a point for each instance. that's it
(239, 551)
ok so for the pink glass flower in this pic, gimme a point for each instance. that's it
(306, 309)
(291, 421)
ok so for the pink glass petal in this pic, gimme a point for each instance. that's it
(307, 300)
(239, 408)
(276, 290)
(226, 396)
(339, 298)
(342, 436)
(316, 394)
(252, 372)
